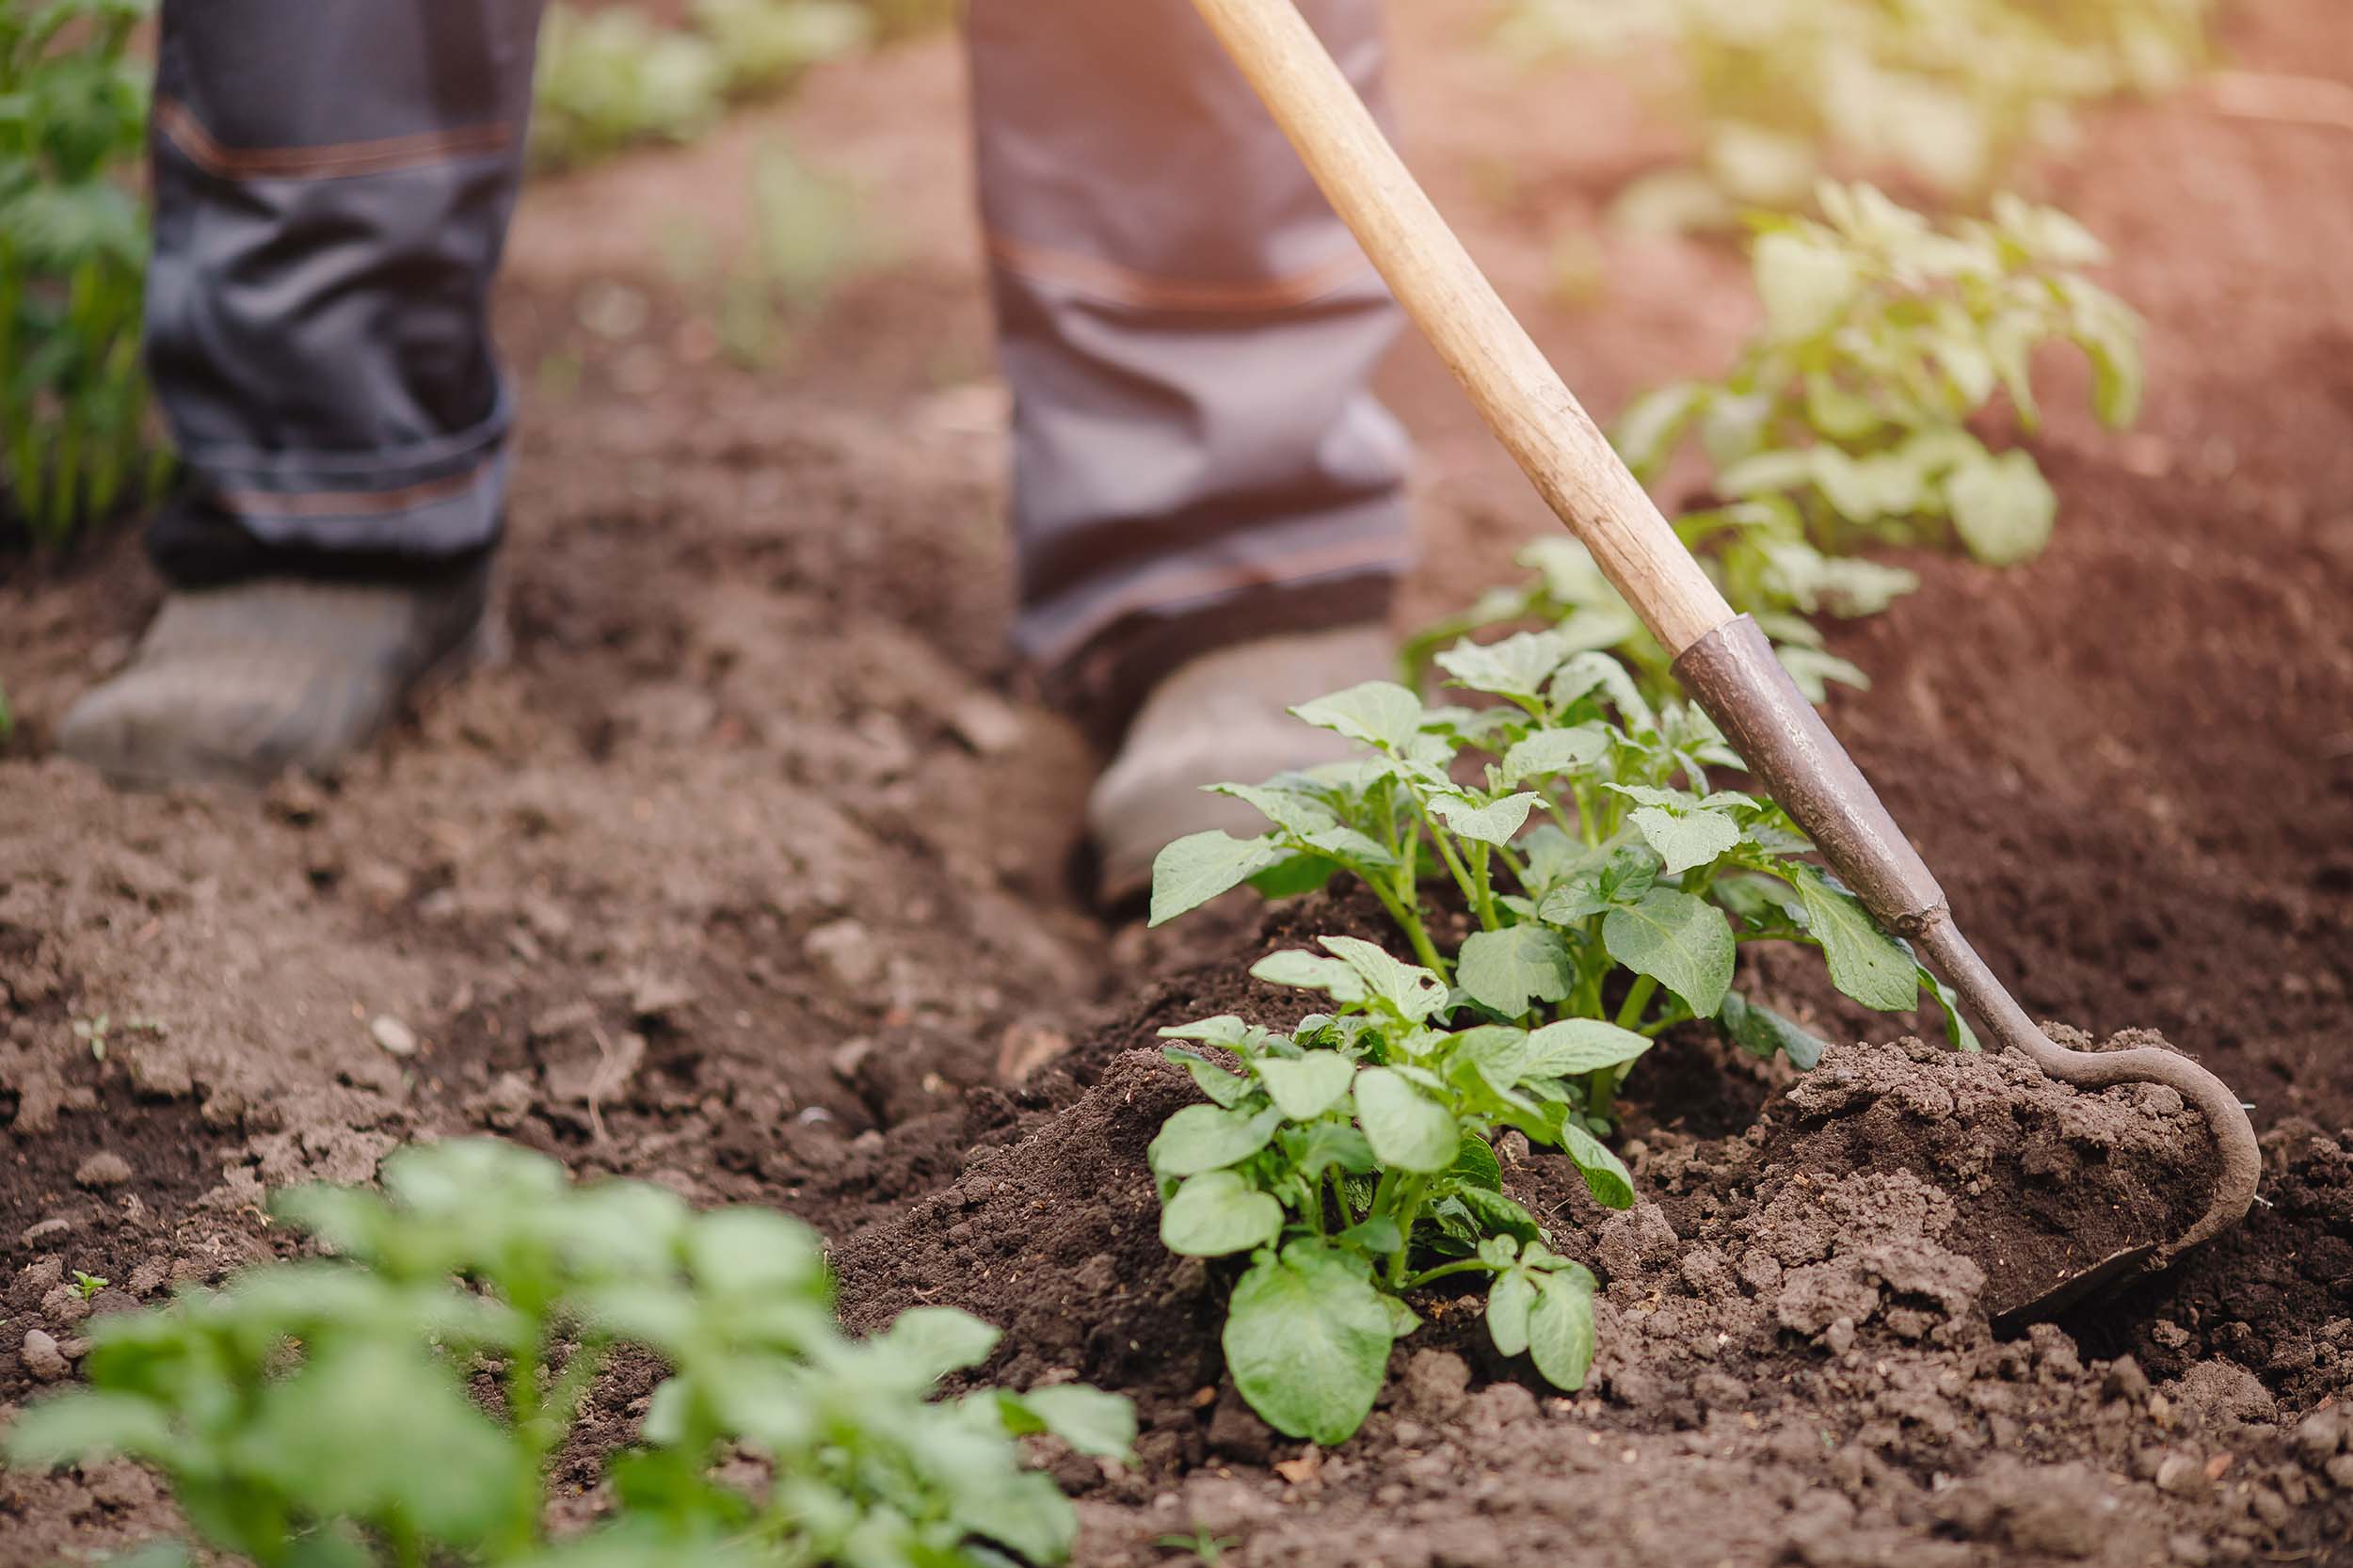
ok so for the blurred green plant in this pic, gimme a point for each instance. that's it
(616, 77)
(808, 232)
(75, 438)
(1847, 419)
(1949, 92)
(348, 1413)
(1852, 418)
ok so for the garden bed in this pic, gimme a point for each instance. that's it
(749, 874)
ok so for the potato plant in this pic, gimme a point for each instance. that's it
(1847, 418)
(401, 1404)
(1610, 886)
(1947, 94)
(1604, 875)
(1350, 1159)
(1850, 418)
(76, 441)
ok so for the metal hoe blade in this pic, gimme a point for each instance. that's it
(1733, 674)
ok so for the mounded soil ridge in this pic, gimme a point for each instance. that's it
(1793, 1327)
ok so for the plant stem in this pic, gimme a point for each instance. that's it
(1460, 1266)
(1409, 1196)
(1454, 864)
(1637, 997)
(1486, 887)
(1410, 922)
(408, 1546)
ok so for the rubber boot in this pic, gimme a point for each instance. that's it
(236, 684)
(1222, 718)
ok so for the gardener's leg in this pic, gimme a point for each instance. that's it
(1197, 460)
(333, 185)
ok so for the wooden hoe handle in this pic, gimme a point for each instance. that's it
(1723, 659)
(1516, 390)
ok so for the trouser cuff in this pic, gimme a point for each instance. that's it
(196, 544)
(1101, 686)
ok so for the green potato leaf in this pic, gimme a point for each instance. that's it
(1806, 286)
(1326, 1144)
(1560, 1327)
(1509, 971)
(1517, 667)
(1865, 961)
(1408, 1130)
(1216, 1213)
(1209, 1138)
(1189, 872)
(1605, 1177)
(1305, 1087)
(1494, 823)
(930, 1343)
(1293, 811)
(2003, 509)
(1222, 1087)
(1551, 752)
(1510, 1302)
(1308, 1340)
(1088, 1419)
(1685, 838)
(85, 1425)
(1381, 714)
(1411, 992)
(1024, 1511)
(1598, 885)
(1310, 971)
(1474, 1164)
(1496, 1215)
(1575, 1047)
(1761, 1031)
(1678, 940)
(1956, 1023)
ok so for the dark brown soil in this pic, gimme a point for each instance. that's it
(747, 874)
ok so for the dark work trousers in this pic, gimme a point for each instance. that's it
(1187, 329)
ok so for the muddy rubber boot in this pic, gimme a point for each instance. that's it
(236, 684)
(1221, 719)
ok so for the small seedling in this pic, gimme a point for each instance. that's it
(327, 1412)
(98, 1033)
(1206, 1549)
(89, 1285)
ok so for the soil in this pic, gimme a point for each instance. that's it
(746, 873)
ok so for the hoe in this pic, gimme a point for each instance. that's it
(1722, 659)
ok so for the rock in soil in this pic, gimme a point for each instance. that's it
(41, 1356)
(103, 1169)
